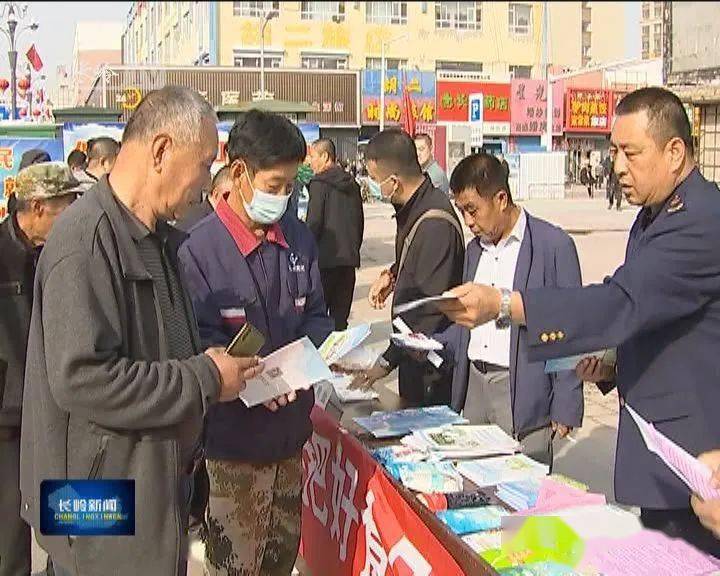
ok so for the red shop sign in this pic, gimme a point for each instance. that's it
(452, 100)
(588, 110)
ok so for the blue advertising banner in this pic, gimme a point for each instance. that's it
(87, 507)
(421, 87)
(11, 151)
(75, 136)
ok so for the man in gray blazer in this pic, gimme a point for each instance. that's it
(494, 382)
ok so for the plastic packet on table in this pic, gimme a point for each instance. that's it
(361, 358)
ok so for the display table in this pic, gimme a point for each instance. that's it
(357, 520)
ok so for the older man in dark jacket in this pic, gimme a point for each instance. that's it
(42, 192)
(336, 219)
(116, 385)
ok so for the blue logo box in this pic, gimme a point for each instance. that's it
(87, 507)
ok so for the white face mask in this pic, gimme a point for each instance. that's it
(376, 189)
(264, 208)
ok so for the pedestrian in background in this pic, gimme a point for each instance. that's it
(220, 187)
(335, 217)
(424, 147)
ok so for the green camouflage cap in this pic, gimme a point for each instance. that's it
(45, 180)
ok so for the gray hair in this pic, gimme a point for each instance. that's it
(177, 110)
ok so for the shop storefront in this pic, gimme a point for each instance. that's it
(333, 95)
(421, 89)
(528, 114)
(452, 111)
(588, 120)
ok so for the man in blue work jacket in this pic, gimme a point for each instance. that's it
(661, 309)
(249, 261)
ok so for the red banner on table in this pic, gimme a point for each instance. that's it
(588, 110)
(354, 522)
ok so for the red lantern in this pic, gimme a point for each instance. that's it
(23, 83)
(4, 84)
(22, 112)
(36, 112)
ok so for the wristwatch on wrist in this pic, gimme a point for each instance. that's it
(503, 319)
(383, 363)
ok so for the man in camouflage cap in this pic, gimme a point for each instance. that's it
(42, 191)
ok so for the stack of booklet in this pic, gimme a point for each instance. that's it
(435, 477)
(519, 495)
(402, 422)
(453, 442)
(493, 471)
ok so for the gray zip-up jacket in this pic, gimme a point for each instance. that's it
(102, 399)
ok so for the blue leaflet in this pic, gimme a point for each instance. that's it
(468, 520)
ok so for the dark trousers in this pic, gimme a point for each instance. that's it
(338, 285)
(15, 551)
(683, 524)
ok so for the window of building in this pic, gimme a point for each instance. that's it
(519, 18)
(520, 71)
(386, 12)
(254, 9)
(324, 61)
(646, 10)
(658, 9)
(251, 59)
(657, 29)
(657, 46)
(458, 15)
(390, 63)
(457, 66)
(326, 11)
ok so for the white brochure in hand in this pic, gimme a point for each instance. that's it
(444, 297)
(297, 366)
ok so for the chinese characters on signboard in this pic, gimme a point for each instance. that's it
(588, 110)
(453, 101)
(528, 111)
(421, 87)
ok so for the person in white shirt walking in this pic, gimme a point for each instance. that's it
(493, 380)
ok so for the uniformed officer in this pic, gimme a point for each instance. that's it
(661, 309)
(42, 192)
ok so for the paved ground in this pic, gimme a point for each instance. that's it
(600, 235)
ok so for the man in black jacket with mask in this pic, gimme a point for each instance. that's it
(335, 217)
(429, 255)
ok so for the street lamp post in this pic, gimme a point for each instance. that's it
(11, 10)
(383, 44)
(269, 16)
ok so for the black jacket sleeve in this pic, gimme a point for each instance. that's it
(316, 208)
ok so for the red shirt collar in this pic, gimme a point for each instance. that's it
(244, 238)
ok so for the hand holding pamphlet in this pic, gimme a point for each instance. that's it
(569, 363)
(295, 367)
(444, 297)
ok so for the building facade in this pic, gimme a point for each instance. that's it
(96, 44)
(651, 29)
(499, 39)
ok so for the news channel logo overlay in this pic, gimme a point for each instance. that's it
(87, 507)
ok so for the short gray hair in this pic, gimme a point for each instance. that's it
(177, 110)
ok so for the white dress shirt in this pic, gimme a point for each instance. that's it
(497, 265)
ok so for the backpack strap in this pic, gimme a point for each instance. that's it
(432, 214)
